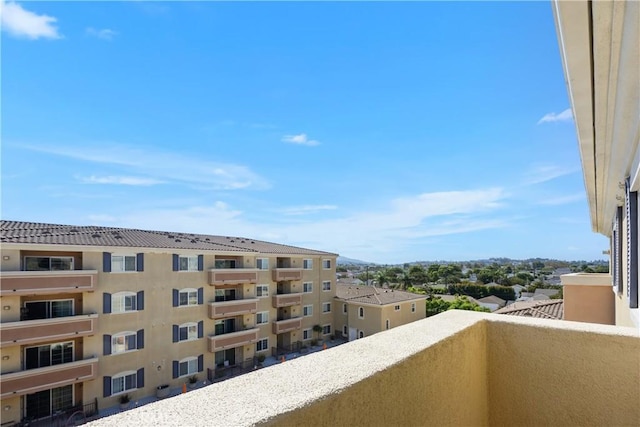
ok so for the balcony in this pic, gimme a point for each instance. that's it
(232, 308)
(59, 328)
(456, 368)
(287, 274)
(232, 339)
(233, 276)
(287, 325)
(589, 297)
(286, 300)
(33, 380)
(47, 282)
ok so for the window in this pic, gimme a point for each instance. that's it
(47, 402)
(188, 263)
(188, 331)
(326, 329)
(262, 345)
(262, 318)
(307, 264)
(326, 307)
(188, 297)
(361, 312)
(345, 330)
(307, 287)
(387, 324)
(47, 309)
(124, 382)
(121, 263)
(326, 286)
(48, 355)
(361, 334)
(413, 307)
(188, 366)
(225, 295)
(396, 307)
(225, 326)
(262, 291)
(344, 308)
(123, 302)
(326, 264)
(225, 263)
(262, 263)
(124, 341)
(40, 263)
(307, 334)
(307, 310)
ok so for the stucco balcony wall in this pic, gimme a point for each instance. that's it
(33, 331)
(457, 368)
(233, 276)
(589, 297)
(47, 282)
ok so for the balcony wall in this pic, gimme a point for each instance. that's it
(33, 380)
(457, 368)
(589, 297)
(233, 339)
(288, 325)
(47, 282)
(228, 276)
(286, 300)
(286, 274)
(32, 331)
(232, 308)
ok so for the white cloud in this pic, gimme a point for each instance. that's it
(20, 22)
(562, 200)
(300, 139)
(306, 209)
(104, 34)
(538, 174)
(564, 116)
(119, 180)
(162, 166)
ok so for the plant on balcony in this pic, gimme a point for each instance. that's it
(193, 379)
(261, 358)
(162, 391)
(124, 400)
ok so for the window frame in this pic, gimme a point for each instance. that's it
(307, 310)
(68, 258)
(189, 296)
(262, 292)
(307, 264)
(188, 361)
(326, 305)
(264, 263)
(345, 309)
(361, 312)
(326, 264)
(123, 375)
(309, 334)
(326, 288)
(190, 267)
(326, 327)
(310, 287)
(187, 326)
(413, 307)
(264, 315)
(116, 308)
(396, 307)
(264, 342)
(124, 263)
(125, 335)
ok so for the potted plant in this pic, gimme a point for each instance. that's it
(193, 379)
(124, 400)
(317, 329)
(162, 391)
(261, 358)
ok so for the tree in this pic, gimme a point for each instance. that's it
(418, 275)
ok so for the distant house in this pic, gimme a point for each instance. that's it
(552, 309)
(349, 281)
(366, 310)
(518, 290)
(547, 292)
(492, 302)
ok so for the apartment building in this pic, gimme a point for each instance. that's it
(365, 310)
(92, 313)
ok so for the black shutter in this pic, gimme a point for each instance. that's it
(617, 256)
(106, 386)
(200, 295)
(140, 378)
(106, 345)
(176, 333)
(106, 303)
(200, 262)
(140, 301)
(632, 245)
(106, 262)
(200, 329)
(176, 296)
(200, 363)
(140, 262)
(176, 262)
(140, 339)
(176, 368)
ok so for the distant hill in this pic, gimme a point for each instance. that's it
(346, 261)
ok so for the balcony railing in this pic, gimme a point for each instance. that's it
(287, 325)
(232, 308)
(47, 282)
(232, 339)
(233, 276)
(286, 300)
(458, 368)
(287, 274)
(31, 331)
(34, 380)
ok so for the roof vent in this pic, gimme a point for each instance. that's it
(73, 230)
(194, 241)
(232, 240)
(170, 236)
(252, 242)
(243, 241)
(207, 239)
(96, 235)
(178, 240)
(117, 236)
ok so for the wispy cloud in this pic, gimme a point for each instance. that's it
(563, 200)
(104, 34)
(306, 209)
(119, 180)
(564, 116)
(22, 23)
(161, 165)
(300, 139)
(538, 174)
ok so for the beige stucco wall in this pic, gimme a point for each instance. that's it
(588, 298)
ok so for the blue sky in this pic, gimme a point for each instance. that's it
(388, 132)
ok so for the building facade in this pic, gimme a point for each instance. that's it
(365, 310)
(92, 313)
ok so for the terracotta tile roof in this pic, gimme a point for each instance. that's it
(492, 299)
(56, 234)
(541, 309)
(373, 295)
